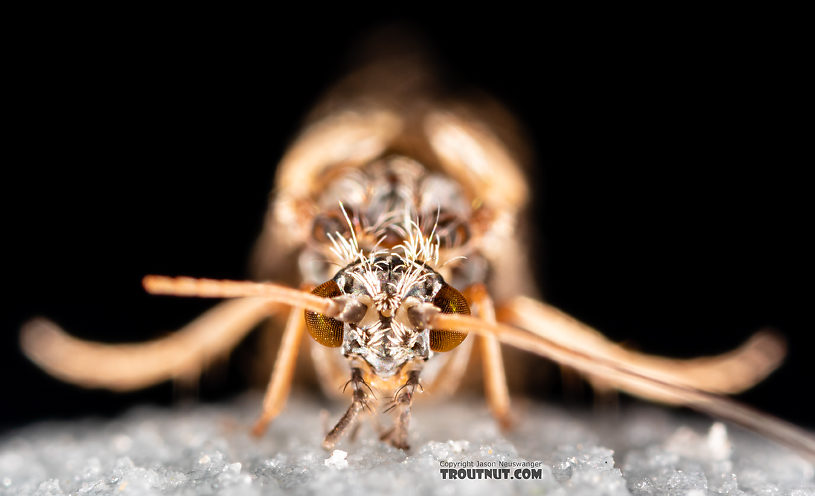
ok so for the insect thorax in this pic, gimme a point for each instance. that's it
(372, 203)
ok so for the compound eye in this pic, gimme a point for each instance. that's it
(325, 330)
(448, 300)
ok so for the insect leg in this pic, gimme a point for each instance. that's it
(495, 381)
(128, 366)
(355, 432)
(729, 373)
(358, 403)
(280, 381)
(402, 401)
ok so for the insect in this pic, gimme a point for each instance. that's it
(399, 210)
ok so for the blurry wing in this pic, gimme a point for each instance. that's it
(729, 373)
(128, 366)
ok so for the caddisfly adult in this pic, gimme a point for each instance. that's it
(399, 206)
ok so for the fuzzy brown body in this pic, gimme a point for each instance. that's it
(385, 139)
(394, 107)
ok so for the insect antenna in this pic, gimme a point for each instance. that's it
(637, 380)
(214, 288)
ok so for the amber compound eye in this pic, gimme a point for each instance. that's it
(448, 300)
(325, 330)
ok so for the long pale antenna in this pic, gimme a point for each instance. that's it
(215, 288)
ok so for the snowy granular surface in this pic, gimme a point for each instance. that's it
(207, 450)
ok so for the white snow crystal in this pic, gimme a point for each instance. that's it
(715, 446)
(337, 460)
(717, 443)
(208, 450)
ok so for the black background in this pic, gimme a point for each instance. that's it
(671, 206)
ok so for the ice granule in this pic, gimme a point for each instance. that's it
(337, 460)
(208, 450)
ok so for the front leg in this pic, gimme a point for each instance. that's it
(402, 400)
(359, 402)
(495, 381)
